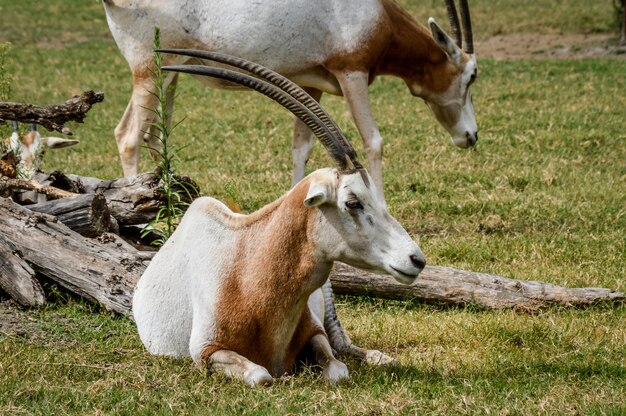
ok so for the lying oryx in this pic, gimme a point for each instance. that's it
(241, 293)
(333, 46)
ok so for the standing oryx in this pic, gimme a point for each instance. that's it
(242, 293)
(333, 46)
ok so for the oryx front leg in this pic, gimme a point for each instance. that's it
(354, 88)
(236, 366)
(334, 370)
(302, 142)
(136, 121)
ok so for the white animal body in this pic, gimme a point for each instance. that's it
(241, 293)
(333, 46)
(234, 290)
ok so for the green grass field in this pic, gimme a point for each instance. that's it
(542, 197)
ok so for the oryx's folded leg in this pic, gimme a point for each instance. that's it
(236, 366)
(316, 342)
(302, 142)
(338, 338)
(334, 370)
(354, 88)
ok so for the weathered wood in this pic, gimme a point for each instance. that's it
(131, 201)
(28, 197)
(8, 185)
(59, 180)
(136, 199)
(53, 116)
(103, 272)
(459, 287)
(55, 179)
(18, 280)
(87, 214)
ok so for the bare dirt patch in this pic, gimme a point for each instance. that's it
(542, 46)
(16, 322)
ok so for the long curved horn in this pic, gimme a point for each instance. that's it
(266, 74)
(281, 82)
(326, 137)
(453, 17)
(468, 36)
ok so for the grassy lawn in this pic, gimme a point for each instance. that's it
(542, 197)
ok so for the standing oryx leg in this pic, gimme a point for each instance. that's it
(135, 121)
(135, 127)
(354, 88)
(236, 366)
(338, 338)
(302, 142)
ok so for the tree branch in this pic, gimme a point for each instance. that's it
(53, 116)
(7, 185)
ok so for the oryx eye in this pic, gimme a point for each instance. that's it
(354, 204)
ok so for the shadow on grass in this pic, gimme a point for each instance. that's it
(506, 377)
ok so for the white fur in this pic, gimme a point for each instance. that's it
(175, 302)
(293, 37)
(178, 290)
(297, 38)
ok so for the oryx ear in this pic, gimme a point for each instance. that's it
(58, 142)
(445, 42)
(317, 195)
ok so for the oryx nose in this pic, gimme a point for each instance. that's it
(418, 261)
(471, 138)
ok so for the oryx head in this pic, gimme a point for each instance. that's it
(354, 225)
(357, 228)
(447, 86)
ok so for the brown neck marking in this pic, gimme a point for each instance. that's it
(263, 313)
(413, 54)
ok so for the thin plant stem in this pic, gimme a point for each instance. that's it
(169, 213)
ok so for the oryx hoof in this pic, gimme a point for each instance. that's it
(375, 357)
(258, 376)
(335, 371)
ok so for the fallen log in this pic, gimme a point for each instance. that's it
(131, 201)
(106, 271)
(136, 199)
(18, 280)
(87, 214)
(459, 287)
(53, 116)
(58, 179)
(102, 272)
